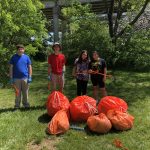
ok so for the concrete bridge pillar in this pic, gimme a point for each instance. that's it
(56, 21)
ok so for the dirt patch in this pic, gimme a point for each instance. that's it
(46, 144)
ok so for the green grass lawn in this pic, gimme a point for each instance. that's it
(25, 129)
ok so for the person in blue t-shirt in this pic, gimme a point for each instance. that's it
(21, 75)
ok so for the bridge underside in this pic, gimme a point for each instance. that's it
(97, 6)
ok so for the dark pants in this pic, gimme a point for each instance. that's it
(81, 87)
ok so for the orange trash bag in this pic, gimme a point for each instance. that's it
(120, 120)
(112, 102)
(99, 123)
(55, 102)
(59, 123)
(82, 107)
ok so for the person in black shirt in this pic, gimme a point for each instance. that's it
(98, 65)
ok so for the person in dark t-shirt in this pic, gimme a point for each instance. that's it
(98, 65)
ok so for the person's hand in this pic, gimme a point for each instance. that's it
(95, 72)
(104, 78)
(63, 72)
(11, 81)
(49, 77)
(74, 74)
(85, 72)
(90, 71)
(29, 80)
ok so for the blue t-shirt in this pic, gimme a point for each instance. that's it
(20, 66)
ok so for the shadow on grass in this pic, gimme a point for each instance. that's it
(45, 118)
(130, 92)
(91, 133)
(22, 109)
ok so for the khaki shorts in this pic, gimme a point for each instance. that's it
(57, 80)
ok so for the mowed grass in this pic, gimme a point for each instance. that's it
(20, 127)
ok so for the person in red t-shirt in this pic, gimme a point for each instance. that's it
(56, 67)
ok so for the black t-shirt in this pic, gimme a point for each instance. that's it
(97, 65)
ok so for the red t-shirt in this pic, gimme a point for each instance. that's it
(57, 62)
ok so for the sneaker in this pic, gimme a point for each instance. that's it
(16, 107)
(27, 105)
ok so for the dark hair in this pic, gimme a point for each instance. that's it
(19, 46)
(80, 56)
(57, 44)
(96, 53)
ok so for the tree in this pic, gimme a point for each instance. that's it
(19, 21)
(131, 44)
(84, 30)
(116, 28)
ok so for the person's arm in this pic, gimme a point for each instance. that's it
(90, 68)
(64, 68)
(29, 80)
(29, 74)
(74, 71)
(105, 72)
(49, 71)
(30, 71)
(11, 71)
(64, 65)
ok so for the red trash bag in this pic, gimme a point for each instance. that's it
(120, 120)
(82, 107)
(55, 102)
(99, 123)
(112, 102)
(59, 123)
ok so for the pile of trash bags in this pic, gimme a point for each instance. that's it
(110, 112)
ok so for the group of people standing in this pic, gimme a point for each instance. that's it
(84, 68)
(95, 69)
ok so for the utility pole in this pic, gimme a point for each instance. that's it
(56, 21)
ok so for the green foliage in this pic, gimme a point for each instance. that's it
(4, 55)
(19, 21)
(84, 31)
(30, 50)
(133, 50)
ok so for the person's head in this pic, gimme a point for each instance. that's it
(95, 55)
(20, 49)
(56, 47)
(83, 56)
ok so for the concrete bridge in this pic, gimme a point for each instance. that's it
(52, 10)
(97, 6)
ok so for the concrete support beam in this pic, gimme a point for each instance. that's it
(56, 21)
(50, 4)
